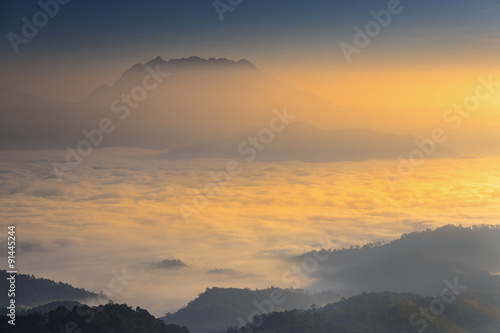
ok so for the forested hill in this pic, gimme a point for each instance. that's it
(415, 263)
(216, 309)
(387, 312)
(110, 318)
(32, 291)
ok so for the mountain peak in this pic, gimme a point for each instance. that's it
(212, 63)
(195, 62)
(185, 65)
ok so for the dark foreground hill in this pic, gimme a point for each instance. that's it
(32, 291)
(46, 308)
(216, 309)
(110, 318)
(387, 313)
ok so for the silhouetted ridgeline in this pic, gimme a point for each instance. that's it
(386, 313)
(110, 318)
(450, 241)
(216, 309)
(32, 291)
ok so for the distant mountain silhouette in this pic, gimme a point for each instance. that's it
(218, 308)
(200, 99)
(303, 142)
(387, 313)
(417, 263)
(35, 291)
(135, 75)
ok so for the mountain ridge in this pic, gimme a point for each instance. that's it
(387, 312)
(300, 141)
(218, 308)
(417, 262)
(40, 291)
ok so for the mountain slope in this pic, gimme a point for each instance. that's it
(388, 313)
(417, 263)
(34, 291)
(303, 142)
(218, 308)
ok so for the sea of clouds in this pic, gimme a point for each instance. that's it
(120, 208)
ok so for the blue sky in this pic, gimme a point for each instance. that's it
(103, 24)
